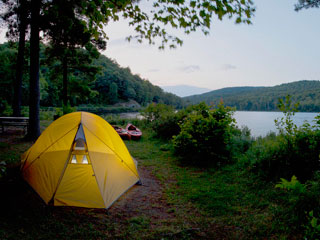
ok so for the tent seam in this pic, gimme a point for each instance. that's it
(63, 172)
(35, 159)
(24, 163)
(113, 152)
(95, 176)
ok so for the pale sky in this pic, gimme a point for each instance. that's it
(280, 46)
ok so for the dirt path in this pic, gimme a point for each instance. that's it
(146, 199)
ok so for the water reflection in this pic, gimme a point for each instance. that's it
(260, 123)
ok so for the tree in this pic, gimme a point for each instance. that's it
(34, 99)
(149, 26)
(67, 35)
(7, 66)
(17, 18)
(307, 4)
(75, 70)
(113, 93)
(23, 18)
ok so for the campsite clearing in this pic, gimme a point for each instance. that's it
(174, 202)
(142, 212)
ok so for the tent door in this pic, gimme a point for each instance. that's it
(79, 187)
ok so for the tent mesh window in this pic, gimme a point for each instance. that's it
(80, 150)
(79, 159)
(80, 145)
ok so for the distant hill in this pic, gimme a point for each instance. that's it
(185, 90)
(128, 86)
(307, 93)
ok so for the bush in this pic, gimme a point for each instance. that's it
(283, 156)
(295, 151)
(241, 140)
(300, 204)
(205, 136)
(162, 119)
(64, 110)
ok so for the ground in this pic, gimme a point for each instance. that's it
(142, 212)
(175, 201)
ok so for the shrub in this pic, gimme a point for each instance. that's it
(163, 120)
(241, 140)
(295, 151)
(64, 110)
(283, 156)
(205, 135)
(154, 111)
(68, 109)
(300, 205)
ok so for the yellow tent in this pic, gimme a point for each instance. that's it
(79, 160)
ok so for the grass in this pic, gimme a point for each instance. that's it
(221, 203)
(228, 199)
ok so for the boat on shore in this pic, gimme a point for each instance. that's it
(123, 133)
(134, 132)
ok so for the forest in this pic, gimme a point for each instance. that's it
(306, 93)
(97, 80)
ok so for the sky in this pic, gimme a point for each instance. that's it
(281, 46)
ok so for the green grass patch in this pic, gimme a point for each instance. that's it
(228, 196)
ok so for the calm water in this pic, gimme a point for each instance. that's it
(260, 123)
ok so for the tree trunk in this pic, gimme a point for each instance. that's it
(65, 81)
(20, 60)
(34, 99)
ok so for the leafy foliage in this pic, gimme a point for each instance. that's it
(312, 228)
(285, 124)
(293, 185)
(301, 205)
(241, 141)
(186, 15)
(205, 135)
(164, 120)
(307, 4)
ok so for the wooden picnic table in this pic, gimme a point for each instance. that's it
(14, 121)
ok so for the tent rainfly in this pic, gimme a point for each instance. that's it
(79, 160)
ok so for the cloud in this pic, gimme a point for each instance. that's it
(228, 67)
(190, 68)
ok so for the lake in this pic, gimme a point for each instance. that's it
(260, 123)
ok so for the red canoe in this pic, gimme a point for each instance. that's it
(133, 131)
(122, 132)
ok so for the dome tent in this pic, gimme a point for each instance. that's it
(79, 160)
